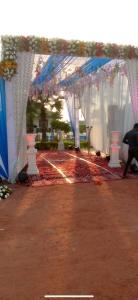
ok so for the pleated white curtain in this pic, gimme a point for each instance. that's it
(107, 108)
(86, 104)
(132, 71)
(17, 94)
(71, 109)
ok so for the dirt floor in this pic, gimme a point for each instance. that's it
(70, 239)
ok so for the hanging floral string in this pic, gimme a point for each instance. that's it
(107, 72)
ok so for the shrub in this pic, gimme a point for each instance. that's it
(83, 144)
(53, 145)
(50, 145)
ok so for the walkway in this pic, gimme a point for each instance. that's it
(71, 167)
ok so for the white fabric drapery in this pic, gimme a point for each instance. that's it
(107, 108)
(71, 109)
(132, 72)
(17, 94)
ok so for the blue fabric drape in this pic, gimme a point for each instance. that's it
(92, 65)
(53, 66)
(3, 132)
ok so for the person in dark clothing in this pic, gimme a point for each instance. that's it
(131, 139)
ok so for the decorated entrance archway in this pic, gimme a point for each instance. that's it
(16, 71)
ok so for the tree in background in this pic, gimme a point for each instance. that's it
(55, 115)
(32, 112)
(42, 107)
(60, 125)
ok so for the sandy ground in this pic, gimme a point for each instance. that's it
(70, 239)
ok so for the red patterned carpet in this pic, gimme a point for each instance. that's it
(71, 167)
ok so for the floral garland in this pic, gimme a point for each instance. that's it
(8, 64)
(12, 45)
(4, 192)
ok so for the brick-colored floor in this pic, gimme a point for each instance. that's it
(70, 239)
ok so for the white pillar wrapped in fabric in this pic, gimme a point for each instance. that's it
(31, 155)
(77, 132)
(60, 142)
(114, 150)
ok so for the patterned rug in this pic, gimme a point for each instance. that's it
(71, 167)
